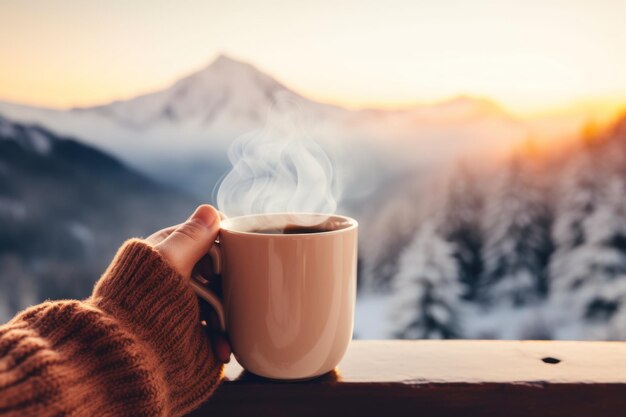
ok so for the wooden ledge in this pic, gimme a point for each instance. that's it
(443, 378)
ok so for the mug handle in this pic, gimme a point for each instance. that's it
(198, 283)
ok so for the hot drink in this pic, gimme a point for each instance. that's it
(288, 291)
(293, 229)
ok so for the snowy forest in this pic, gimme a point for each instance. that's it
(533, 247)
(474, 223)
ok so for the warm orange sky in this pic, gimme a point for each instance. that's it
(528, 55)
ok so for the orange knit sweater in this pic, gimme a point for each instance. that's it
(136, 347)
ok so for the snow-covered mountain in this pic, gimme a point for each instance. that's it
(225, 94)
(181, 134)
(209, 108)
(203, 112)
(231, 96)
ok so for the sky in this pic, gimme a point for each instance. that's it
(527, 55)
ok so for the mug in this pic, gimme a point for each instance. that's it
(288, 299)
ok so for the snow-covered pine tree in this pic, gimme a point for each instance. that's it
(394, 225)
(427, 292)
(588, 271)
(577, 199)
(461, 226)
(517, 244)
(393, 228)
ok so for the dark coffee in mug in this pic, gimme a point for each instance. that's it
(293, 229)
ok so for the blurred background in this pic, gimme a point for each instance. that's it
(480, 144)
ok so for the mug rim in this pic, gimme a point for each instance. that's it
(224, 226)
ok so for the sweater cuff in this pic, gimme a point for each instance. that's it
(159, 306)
(141, 289)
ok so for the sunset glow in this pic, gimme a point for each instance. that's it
(530, 56)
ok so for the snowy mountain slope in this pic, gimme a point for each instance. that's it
(226, 93)
(31, 138)
(95, 129)
(65, 207)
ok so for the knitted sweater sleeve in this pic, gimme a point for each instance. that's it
(136, 347)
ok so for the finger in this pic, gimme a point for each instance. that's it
(221, 347)
(189, 242)
(158, 237)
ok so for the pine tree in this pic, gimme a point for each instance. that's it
(394, 228)
(517, 237)
(427, 290)
(461, 227)
(588, 271)
(577, 199)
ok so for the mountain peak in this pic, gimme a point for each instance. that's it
(227, 63)
(227, 91)
(224, 59)
(228, 70)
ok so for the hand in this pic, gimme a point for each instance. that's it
(184, 247)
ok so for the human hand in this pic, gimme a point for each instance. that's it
(184, 247)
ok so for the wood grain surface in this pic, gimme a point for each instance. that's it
(442, 378)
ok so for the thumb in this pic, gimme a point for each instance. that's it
(190, 241)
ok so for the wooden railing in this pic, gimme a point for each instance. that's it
(442, 378)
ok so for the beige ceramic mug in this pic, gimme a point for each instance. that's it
(288, 299)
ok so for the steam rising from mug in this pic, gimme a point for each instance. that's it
(278, 169)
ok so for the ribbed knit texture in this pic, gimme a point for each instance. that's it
(136, 347)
